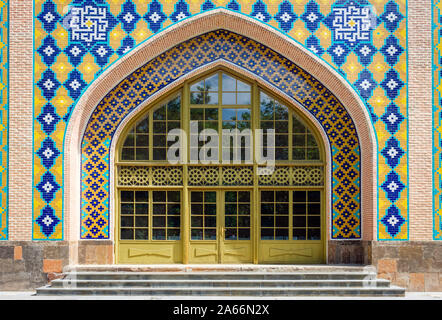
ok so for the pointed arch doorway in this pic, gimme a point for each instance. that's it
(220, 212)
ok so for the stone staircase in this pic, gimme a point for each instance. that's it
(221, 280)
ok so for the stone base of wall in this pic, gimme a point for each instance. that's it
(414, 265)
(349, 252)
(26, 265)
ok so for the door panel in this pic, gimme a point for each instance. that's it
(150, 226)
(236, 244)
(203, 227)
(290, 227)
(220, 227)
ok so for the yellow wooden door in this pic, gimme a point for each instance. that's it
(220, 227)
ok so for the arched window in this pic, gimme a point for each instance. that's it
(229, 209)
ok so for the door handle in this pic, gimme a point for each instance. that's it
(223, 230)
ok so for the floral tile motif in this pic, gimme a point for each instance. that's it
(364, 41)
(221, 44)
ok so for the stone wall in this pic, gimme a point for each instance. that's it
(415, 265)
(26, 265)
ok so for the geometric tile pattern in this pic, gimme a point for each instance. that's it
(364, 41)
(248, 54)
(437, 119)
(4, 99)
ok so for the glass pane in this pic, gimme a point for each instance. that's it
(173, 222)
(230, 208)
(142, 154)
(198, 86)
(229, 83)
(267, 196)
(141, 196)
(244, 98)
(298, 126)
(212, 83)
(159, 140)
(299, 208)
(230, 221)
(127, 208)
(281, 234)
(311, 141)
(281, 112)
(244, 209)
(160, 113)
(141, 208)
(267, 208)
(314, 234)
(196, 197)
(229, 114)
(129, 142)
(267, 221)
(210, 234)
(299, 234)
(314, 208)
(173, 109)
(243, 234)
(196, 221)
(210, 209)
(314, 221)
(128, 154)
(282, 196)
(159, 153)
(159, 221)
(210, 222)
(143, 126)
(244, 221)
(196, 234)
(127, 196)
(229, 98)
(127, 221)
(314, 196)
(127, 234)
(159, 208)
(141, 221)
(197, 98)
(211, 114)
(299, 221)
(312, 154)
(196, 114)
(300, 196)
(173, 209)
(267, 234)
(173, 234)
(244, 196)
(230, 196)
(241, 86)
(230, 234)
(141, 234)
(212, 98)
(210, 196)
(159, 234)
(159, 196)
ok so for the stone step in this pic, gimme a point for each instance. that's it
(221, 275)
(264, 268)
(111, 283)
(222, 291)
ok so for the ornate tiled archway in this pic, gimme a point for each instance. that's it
(254, 57)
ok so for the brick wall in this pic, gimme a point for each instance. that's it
(20, 119)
